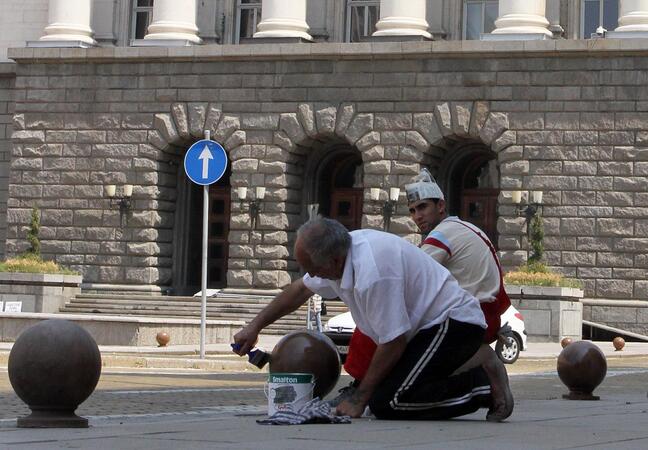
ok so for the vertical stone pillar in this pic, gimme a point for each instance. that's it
(283, 19)
(633, 16)
(524, 18)
(174, 20)
(553, 16)
(69, 20)
(402, 18)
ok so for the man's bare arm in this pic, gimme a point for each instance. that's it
(291, 298)
(383, 361)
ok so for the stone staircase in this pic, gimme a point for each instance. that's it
(222, 307)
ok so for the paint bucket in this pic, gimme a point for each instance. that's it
(289, 391)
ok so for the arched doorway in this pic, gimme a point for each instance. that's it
(339, 188)
(471, 184)
(188, 248)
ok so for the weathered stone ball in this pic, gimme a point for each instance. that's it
(581, 367)
(618, 343)
(308, 352)
(565, 341)
(162, 338)
(54, 365)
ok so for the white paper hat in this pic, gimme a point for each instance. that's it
(424, 187)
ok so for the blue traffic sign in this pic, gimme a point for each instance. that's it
(205, 162)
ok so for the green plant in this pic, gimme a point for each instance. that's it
(32, 234)
(536, 239)
(31, 261)
(534, 272)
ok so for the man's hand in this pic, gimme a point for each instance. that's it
(353, 406)
(384, 359)
(291, 298)
(245, 340)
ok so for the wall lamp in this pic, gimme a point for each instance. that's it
(533, 207)
(255, 205)
(389, 206)
(123, 201)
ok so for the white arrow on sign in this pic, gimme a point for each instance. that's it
(205, 155)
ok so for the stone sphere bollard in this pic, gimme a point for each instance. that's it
(618, 343)
(581, 367)
(308, 352)
(54, 366)
(565, 342)
(162, 338)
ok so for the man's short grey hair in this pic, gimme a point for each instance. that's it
(323, 239)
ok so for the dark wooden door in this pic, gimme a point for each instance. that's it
(217, 238)
(479, 207)
(346, 207)
(217, 243)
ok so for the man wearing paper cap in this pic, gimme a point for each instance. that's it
(470, 257)
(461, 247)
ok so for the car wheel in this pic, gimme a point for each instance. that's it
(509, 352)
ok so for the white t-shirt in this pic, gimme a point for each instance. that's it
(392, 288)
(455, 244)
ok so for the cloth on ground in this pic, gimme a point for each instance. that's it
(315, 411)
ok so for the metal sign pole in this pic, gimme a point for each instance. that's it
(203, 278)
(205, 162)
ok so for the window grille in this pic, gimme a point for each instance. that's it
(141, 17)
(362, 16)
(598, 13)
(248, 16)
(479, 17)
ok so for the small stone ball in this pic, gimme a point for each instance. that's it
(162, 338)
(565, 342)
(54, 365)
(618, 343)
(308, 352)
(581, 367)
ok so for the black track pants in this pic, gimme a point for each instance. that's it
(420, 385)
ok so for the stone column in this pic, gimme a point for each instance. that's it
(174, 20)
(633, 16)
(69, 20)
(524, 18)
(402, 18)
(283, 19)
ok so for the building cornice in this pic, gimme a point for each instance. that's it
(363, 50)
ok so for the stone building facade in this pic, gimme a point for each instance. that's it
(329, 127)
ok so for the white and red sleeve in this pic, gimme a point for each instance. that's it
(437, 245)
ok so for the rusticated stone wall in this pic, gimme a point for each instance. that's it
(270, 149)
(86, 118)
(7, 78)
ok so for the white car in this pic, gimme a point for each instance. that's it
(340, 328)
(516, 339)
